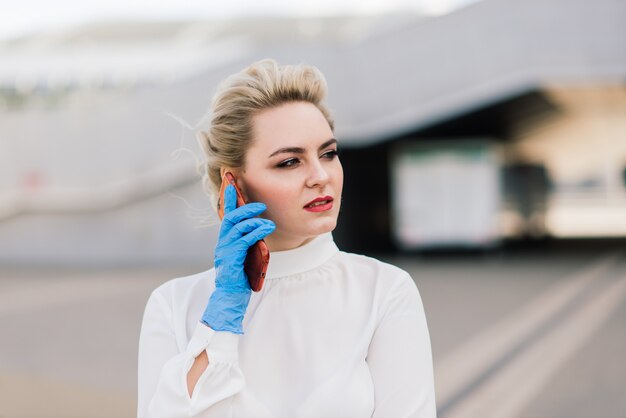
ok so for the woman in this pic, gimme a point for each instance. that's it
(331, 334)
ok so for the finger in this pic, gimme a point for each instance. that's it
(230, 199)
(258, 234)
(244, 227)
(249, 210)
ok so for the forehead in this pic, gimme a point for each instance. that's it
(293, 124)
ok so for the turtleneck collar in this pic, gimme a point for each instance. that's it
(303, 258)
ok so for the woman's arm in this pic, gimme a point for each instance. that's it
(197, 368)
(187, 383)
(164, 370)
(400, 359)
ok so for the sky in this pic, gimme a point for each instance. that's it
(21, 17)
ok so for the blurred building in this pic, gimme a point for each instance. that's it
(90, 173)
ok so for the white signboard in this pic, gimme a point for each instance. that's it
(445, 193)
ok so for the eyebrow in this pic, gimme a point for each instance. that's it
(299, 150)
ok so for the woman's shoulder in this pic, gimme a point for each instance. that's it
(373, 266)
(396, 291)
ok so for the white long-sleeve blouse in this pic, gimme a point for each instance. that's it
(331, 334)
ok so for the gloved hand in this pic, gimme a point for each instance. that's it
(239, 231)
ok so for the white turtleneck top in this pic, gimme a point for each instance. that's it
(331, 334)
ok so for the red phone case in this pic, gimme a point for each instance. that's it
(258, 256)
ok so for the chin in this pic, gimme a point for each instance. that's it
(313, 229)
(324, 227)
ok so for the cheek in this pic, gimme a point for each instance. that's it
(275, 201)
(270, 192)
(280, 208)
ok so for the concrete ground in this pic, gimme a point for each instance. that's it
(532, 333)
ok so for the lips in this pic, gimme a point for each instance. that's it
(323, 200)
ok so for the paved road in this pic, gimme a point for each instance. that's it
(515, 334)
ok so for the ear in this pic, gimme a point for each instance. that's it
(231, 170)
(238, 179)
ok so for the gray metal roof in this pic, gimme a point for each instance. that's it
(404, 75)
(495, 49)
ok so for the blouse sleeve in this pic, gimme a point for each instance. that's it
(400, 358)
(163, 368)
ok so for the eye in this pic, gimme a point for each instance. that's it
(292, 162)
(331, 154)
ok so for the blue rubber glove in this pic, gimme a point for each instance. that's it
(239, 231)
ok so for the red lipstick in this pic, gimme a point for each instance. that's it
(320, 204)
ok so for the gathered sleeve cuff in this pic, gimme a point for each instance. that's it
(221, 346)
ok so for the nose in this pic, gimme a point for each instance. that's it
(318, 175)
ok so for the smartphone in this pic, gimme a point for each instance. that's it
(258, 256)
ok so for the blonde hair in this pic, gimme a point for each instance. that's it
(262, 85)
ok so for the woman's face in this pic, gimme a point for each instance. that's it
(292, 162)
